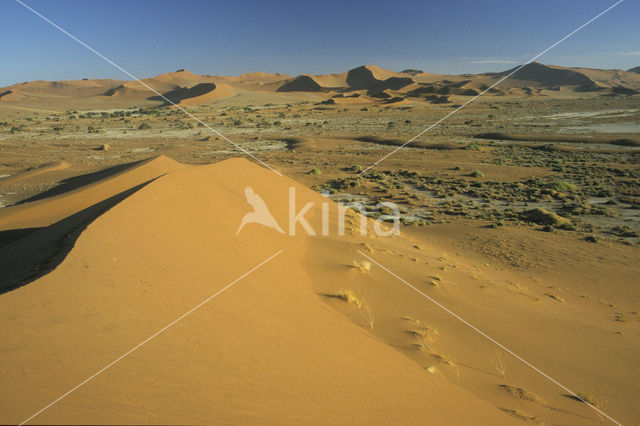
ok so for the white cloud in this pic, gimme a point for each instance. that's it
(630, 53)
(493, 61)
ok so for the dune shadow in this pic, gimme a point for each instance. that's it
(177, 95)
(28, 254)
(11, 236)
(69, 184)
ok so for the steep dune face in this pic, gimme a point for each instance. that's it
(195, 95)
(267, 350)
(126, 91)
(302, 83)
(362, 78)
(539, 74)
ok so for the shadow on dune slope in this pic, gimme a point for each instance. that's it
(75, 182)
(28, 254)
(182, 93)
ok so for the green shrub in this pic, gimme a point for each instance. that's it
(562, 186)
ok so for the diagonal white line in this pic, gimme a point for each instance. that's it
(493, 85)
(150, 337)
(477, 330)
(148, 87)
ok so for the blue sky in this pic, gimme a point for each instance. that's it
(293, 37)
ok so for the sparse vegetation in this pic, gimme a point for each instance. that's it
(522, 393)
(346, 295)
(499, 364)
(361, 266)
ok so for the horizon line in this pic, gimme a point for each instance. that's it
(516, 64)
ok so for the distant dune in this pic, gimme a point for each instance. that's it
(413, 85)
(195, 95)
(302, 83)
(539, 74)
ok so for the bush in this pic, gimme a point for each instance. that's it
(314, 171)
(144, 126)
(562, 186)
(476, 174)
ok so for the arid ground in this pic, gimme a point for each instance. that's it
(519, 213)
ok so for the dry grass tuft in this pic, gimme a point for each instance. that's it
(554, 297)
(363, 266)
(499, 364)
(432, 369)
(367, 247)
(521, 393)
(418, 333)
(521, 415)
(599, 398)
(368, 314)
(346, 295)
(446, 359)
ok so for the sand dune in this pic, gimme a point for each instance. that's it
(539, 74)
(267, 351)
(101, 264)
(49, 210)
(180, 78)
(195, 95)
(126, 91)
(302, 83)
(582, 79)
(532, 80)
(71, 89)
(36, 171)
(362, 78)
(251, 77)
(368, 77)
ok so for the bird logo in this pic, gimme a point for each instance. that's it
(260, 213)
